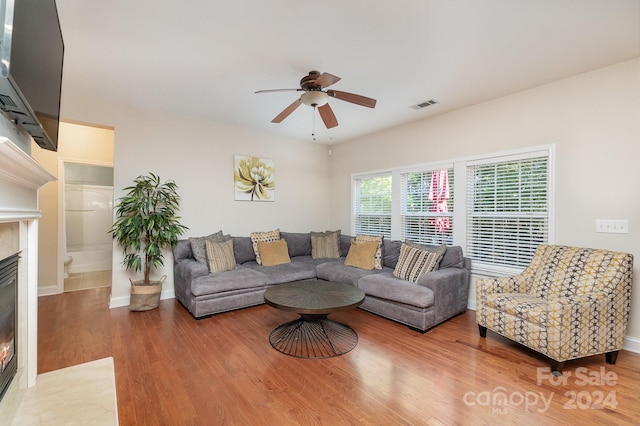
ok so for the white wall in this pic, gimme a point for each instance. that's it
(198, 155)
(594, 121)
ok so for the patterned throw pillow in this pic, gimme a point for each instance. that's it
(325, 245)
(220, 256)
(274, 252)
(441, 250)
(414, 262)
(198, 245)
(264, 237)
(362, 255)
(368, 238)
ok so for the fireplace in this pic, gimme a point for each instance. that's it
(8, 324)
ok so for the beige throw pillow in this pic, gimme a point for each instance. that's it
(368, 238)
(362, 255)
(325, 245)
(414, 262)
(274, 252)
(220, 256)
(264, 237)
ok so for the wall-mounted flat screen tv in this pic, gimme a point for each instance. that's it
(31, 54)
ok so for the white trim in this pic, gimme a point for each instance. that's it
(47, 290)
(631, 344)
(18, 167)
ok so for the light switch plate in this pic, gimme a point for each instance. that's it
(612, 226)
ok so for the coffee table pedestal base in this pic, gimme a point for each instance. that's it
(313, 336)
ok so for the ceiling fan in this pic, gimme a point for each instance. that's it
(317, 96)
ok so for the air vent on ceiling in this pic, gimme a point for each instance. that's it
(424, 104)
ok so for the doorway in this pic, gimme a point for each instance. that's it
(88, 211)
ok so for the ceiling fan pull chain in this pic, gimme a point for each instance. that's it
(313, 121)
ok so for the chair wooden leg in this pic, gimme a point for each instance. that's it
(483, 330)
(556, 367)
(611, 357)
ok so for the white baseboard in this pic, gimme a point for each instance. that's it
(119, 302)
(631, 344)
(47, 290)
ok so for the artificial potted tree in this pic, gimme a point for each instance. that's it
(146, 224)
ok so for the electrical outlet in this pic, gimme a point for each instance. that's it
(612, 226)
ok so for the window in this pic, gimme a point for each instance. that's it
(372, 205)
(499, 212)
(507, 210)
(426, 206)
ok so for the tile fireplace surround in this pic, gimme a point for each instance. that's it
(20, 178)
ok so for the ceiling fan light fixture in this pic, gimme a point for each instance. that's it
(314, 98)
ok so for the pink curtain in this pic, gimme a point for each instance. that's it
(439, 194)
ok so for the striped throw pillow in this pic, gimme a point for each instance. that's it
(325, 245)
(220, 256)
(414, 262)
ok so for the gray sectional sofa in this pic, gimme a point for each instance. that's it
(434, 298)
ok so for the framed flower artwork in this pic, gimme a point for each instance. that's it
(254, 179)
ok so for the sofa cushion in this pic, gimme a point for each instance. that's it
(220, 256)
(182, 251)
(297, 269)
(453, 258)
(198, 247)
(362, 255)
(239, 278)
(385, 286)
(273, 252)
(341, 273)
(378, 256)
(325, 245)
(299, 243)
(243, 249)
(390, 252)
(263, 236)
(414, 262)
(345, 244)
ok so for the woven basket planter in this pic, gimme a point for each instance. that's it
(145, 297)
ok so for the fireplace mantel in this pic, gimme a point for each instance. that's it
(20, 178)
(18, 167)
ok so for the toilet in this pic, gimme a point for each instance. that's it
(67, 261)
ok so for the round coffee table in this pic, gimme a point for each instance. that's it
(313, 335)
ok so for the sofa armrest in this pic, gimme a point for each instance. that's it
(450, 288)
(189, 269)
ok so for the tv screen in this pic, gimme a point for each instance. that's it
(33, 66)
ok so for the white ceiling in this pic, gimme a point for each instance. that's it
(207, 58)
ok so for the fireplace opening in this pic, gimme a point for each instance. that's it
(8, 316)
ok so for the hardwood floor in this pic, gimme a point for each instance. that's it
(174, 370)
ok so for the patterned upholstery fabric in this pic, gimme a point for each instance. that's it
(568, 303)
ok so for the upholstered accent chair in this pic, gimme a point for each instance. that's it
(568, 303)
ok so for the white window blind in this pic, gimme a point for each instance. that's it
(372, 205)
(507, 210)
(426, 206)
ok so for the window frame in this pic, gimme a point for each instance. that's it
(459, 221)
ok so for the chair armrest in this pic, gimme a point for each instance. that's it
(586, 324)
(513, 284)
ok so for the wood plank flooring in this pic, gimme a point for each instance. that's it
(174, 370)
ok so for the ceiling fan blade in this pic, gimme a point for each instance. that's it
(353, 98)
(278, 90)
(328, 116)
(326, 79)
(288, 110)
